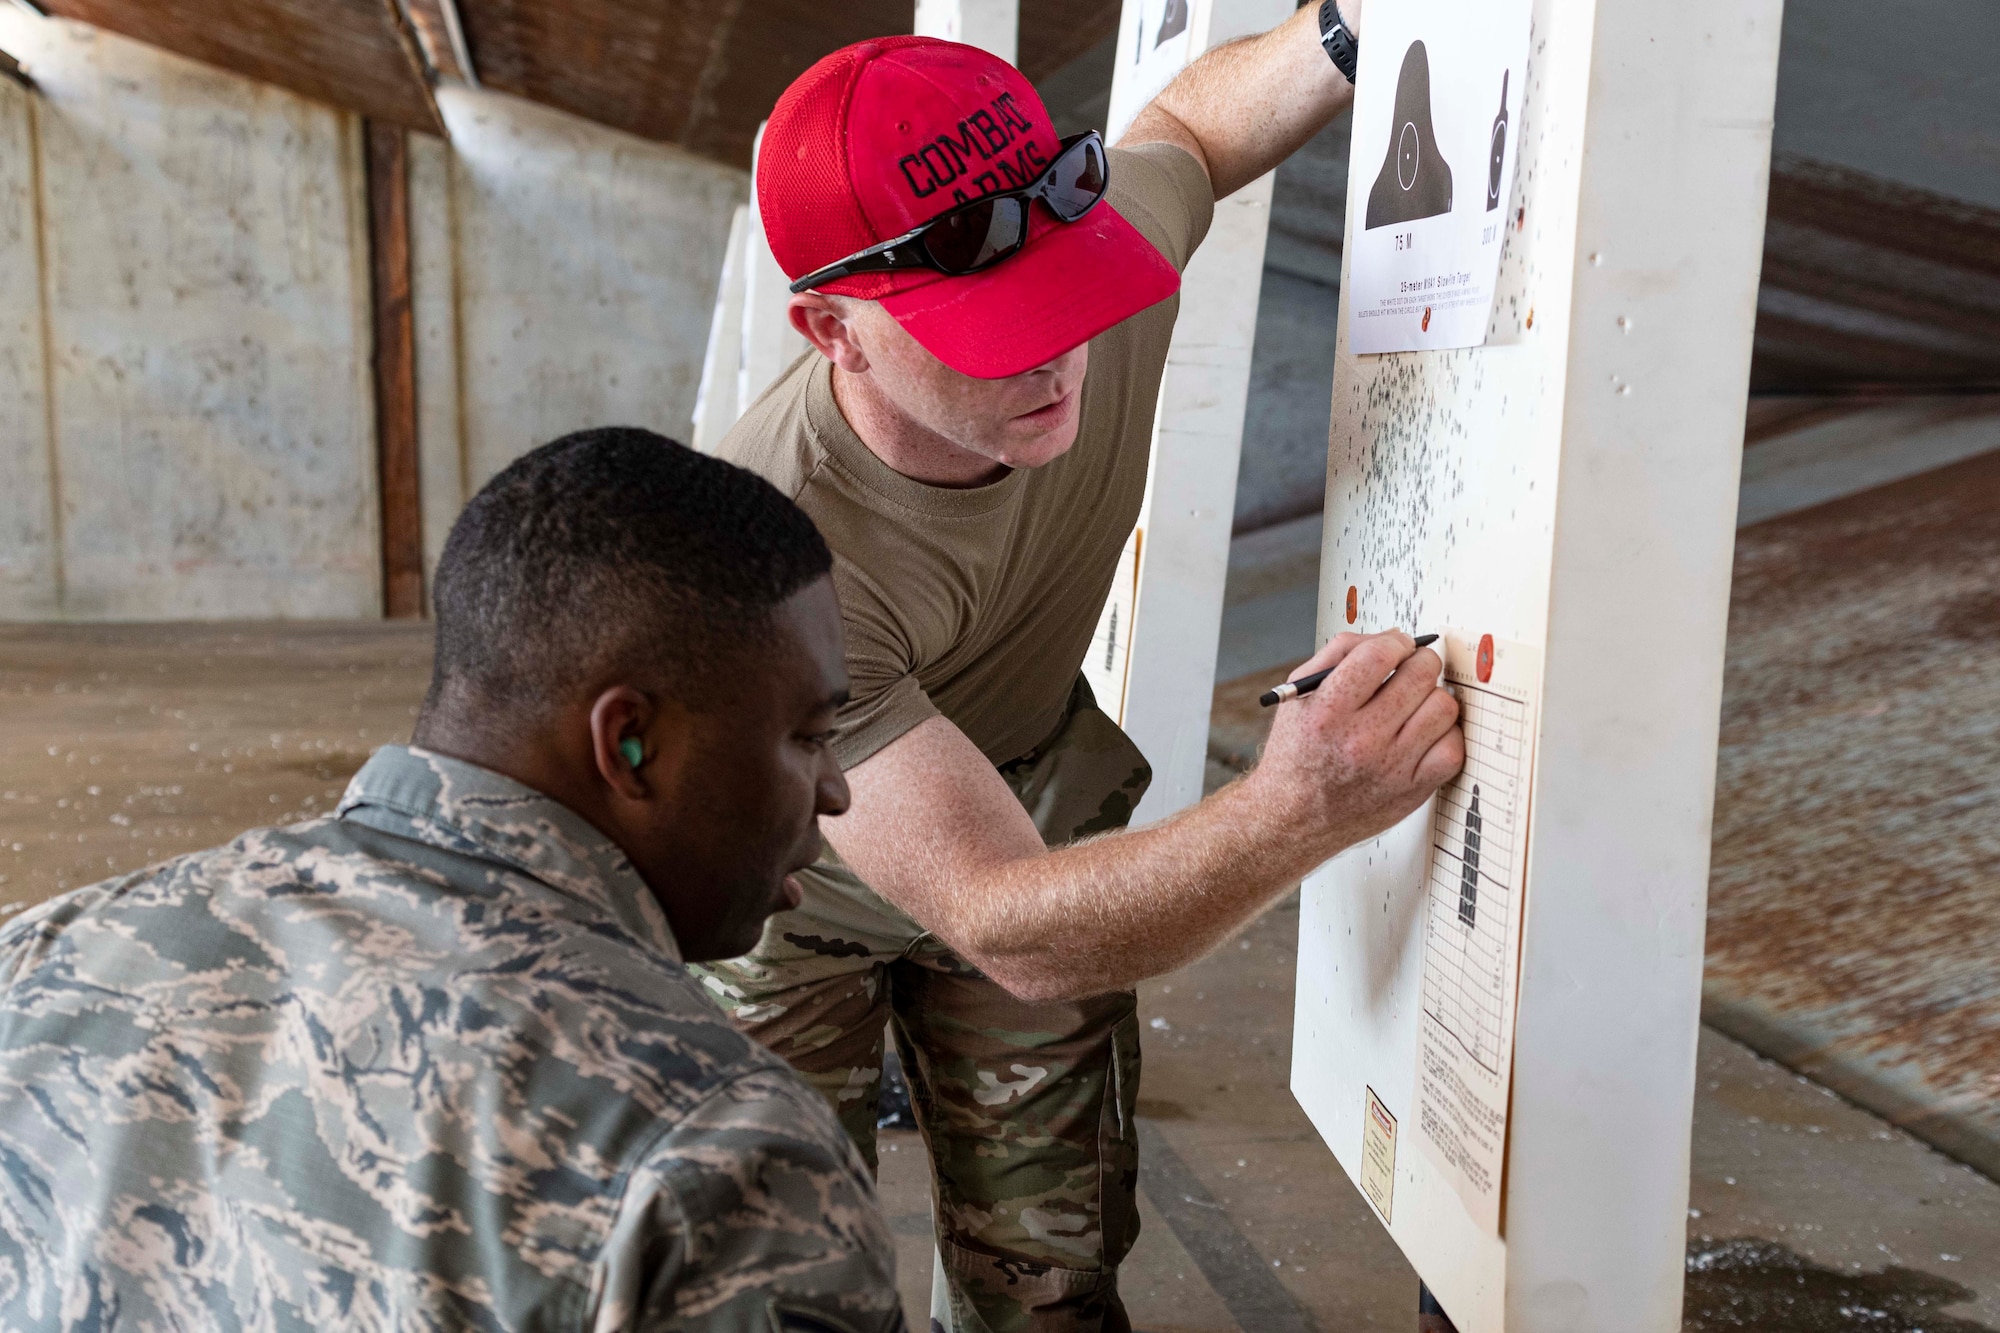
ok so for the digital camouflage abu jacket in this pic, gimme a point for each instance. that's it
(432, 1063)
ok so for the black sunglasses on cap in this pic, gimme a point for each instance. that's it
(979, 234)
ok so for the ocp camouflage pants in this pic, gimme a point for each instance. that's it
(1026, 1108)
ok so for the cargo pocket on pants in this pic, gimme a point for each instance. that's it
(1118, 1144)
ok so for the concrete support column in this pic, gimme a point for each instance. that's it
(751, 338)
(398, 480)
(990, 25)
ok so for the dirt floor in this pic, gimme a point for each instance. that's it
(1852, 928)
(121, 745)
(1807, 1214)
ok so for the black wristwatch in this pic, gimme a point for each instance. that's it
(1342, 46)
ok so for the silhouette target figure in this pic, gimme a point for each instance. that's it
(1468, 884)
(1415, 181)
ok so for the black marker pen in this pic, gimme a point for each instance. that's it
(1292, 689)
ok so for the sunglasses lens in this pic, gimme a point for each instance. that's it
(1077, 180)
(975, 237)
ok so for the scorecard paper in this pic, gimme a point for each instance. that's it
(1473, 898)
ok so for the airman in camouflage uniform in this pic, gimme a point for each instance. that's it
(430, 1063)
(1028, 1105)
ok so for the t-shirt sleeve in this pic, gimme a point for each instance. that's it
(753, 1213)
(884, 698)
(1160, 189)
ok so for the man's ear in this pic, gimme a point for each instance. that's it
(821, 323)
(638, 744)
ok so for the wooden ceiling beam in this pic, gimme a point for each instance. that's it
(697, 73)
(703, 73)
(10, 68)
(442, 36)
(358, 54)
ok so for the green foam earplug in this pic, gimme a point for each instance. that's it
(635, 753)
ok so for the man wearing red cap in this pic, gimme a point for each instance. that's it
(990, 309)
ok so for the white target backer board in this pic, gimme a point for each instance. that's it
(1512, 1093)
(1437, 110)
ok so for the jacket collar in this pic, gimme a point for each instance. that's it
(472, 810)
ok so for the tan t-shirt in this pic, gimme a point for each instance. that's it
(979, 604)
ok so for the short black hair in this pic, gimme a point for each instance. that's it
(610, 550)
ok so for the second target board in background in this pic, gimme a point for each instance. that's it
(1439, 89)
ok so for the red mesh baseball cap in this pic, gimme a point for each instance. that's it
(884, 135)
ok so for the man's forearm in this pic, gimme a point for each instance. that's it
(1101, 915)
(1245, 107)
(935, 830)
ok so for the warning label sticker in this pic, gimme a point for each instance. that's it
(1378, 1155)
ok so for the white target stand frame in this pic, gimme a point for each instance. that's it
(1152, 662)
(1572, 486)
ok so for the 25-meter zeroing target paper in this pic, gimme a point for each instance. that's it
(1437, 110)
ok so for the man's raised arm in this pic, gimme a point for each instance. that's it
(935, 830)
(1245, 107)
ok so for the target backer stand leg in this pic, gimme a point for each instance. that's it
(770, 343)
(1567, 492)
(1152, 664)
(715, 401)
(750, 335)
(1431, 1317)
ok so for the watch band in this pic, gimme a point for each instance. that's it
(1342, 47)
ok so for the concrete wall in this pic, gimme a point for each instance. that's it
(587, 263)
(27, 517)
(205, 438)
(1909, 92)
(186, 396)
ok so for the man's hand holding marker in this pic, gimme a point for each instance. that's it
(1373, 733)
